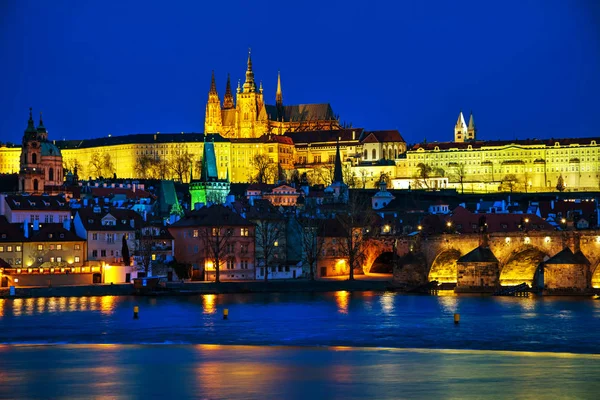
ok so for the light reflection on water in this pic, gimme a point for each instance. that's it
(280, 372)
(310, 319)
(342, 298)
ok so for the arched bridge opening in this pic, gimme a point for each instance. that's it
(383, 264)
(444, 269)
(523, 267)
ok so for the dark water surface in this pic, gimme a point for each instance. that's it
(329, 345)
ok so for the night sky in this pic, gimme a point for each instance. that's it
(526, 68)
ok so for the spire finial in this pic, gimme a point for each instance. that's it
(213, 85)
(249, 85)
(30, 123)
(279, 94)
(337, 168)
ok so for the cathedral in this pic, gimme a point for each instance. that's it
(41, 166)
(250, 117)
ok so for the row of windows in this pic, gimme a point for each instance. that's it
(103, 252)
(10, 248)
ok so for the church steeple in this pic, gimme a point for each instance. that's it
(337, 169)
(30, 124)
(249, 85)
(471, 130)
(41, 129)
(460, 129)
(228, 99)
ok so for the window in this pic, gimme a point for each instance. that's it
(244, 248)
(1, 249)
(102, 253)
(94, 236)
(40, 247)
(52, 259)
(374, 154)
(51, 247)
(195, 233)
(18, 248)
(317, 159)
(76, 259)
(215, 231)
(58, 259)
(244, 231)
(153, 257)
(77, 247)
(94, 253)
(230, 264)
(244, 264)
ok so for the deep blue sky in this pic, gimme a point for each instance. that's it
(525, 68)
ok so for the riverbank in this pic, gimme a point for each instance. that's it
(195, 288)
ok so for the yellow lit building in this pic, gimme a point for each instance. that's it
(529, 165)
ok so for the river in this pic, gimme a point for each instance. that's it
(320, 345)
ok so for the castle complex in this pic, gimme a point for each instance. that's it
(304, 138)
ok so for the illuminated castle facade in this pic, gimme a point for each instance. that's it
(250, 117)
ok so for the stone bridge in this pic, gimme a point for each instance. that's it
(519, 254)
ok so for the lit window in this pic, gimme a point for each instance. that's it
(40, 247)
(76, 259)
(196, 233)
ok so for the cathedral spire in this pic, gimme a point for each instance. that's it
(249, 85)
(228, 99)
(213, 85)
(471, 121)
(279, 94)
(337, 169)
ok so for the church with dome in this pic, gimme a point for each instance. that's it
(41, 164)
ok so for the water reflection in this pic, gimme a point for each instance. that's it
(208, 301)
(1, 308)
(18, 307)
(387, 302)
(449, 303)
(107, 304)
(341, 298)
(42, 305)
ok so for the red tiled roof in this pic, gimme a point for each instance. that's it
(465, 221)
(382, 136)
(129, 194)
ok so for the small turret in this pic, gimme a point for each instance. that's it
(30, 130)
(279, 94)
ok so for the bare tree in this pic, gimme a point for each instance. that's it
(510, 183)
(358, 225)
(364, 174)
(216, 246)
(181, 164)
(265, 169)
(269, 232)
(424, 172)
(143, 166)
(312, 241)
(101, 165)
(108, 168)
(349, 176)
(143, 247)
(459, 173)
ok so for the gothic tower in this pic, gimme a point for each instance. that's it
(212, 120)
(252, 118)
(460, 129)
(279, 98)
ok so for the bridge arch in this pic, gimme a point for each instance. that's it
(383, 264)
(595, 268)
(443, 268)
(522, 267)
